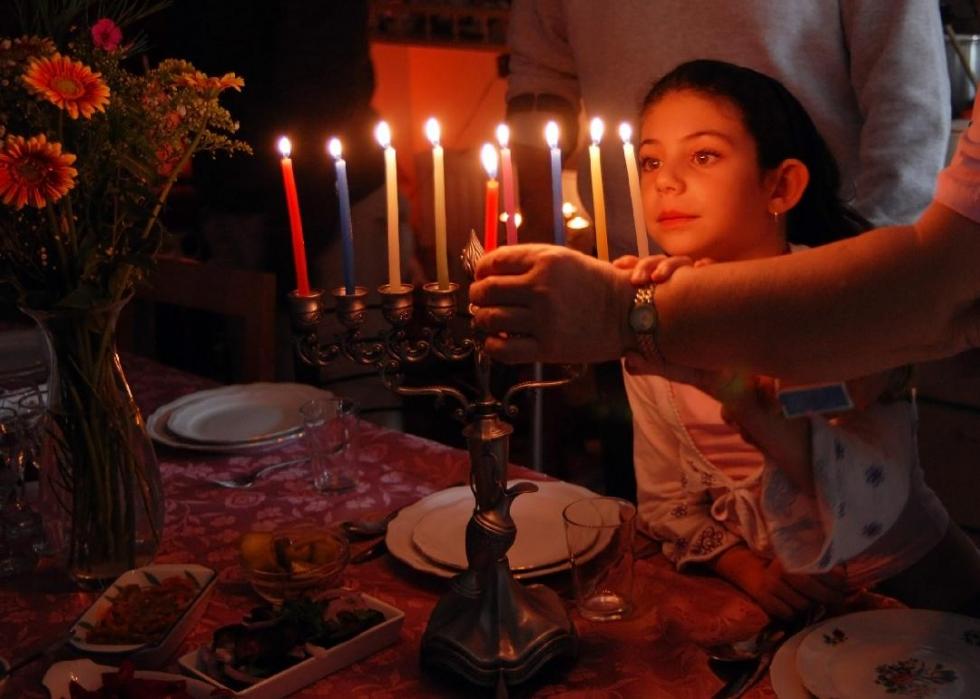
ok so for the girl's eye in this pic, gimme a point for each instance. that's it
(705, 157)
(649, 164)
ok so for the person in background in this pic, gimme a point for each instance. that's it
(861, 68)
(732, 168)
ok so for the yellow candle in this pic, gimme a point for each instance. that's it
(383, 134)
(433, 132)
(598, 199)
(633, 175)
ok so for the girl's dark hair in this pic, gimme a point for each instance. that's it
(782, 129)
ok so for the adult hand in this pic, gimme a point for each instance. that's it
(548, 303)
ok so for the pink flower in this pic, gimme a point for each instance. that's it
(106, 35)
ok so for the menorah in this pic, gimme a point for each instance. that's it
(488, 627)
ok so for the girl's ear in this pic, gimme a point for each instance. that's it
(787, 182)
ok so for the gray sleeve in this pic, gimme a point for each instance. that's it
(899, 76)
(541, 60)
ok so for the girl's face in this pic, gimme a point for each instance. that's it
(703, 192)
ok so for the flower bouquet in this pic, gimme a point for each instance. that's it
(92, 141)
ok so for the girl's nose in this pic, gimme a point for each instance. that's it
(667, 179)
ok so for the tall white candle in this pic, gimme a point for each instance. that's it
(596, 129)
(633, 175)
(383, 134)
(433, 133)
(507, 182)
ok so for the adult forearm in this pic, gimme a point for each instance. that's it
(888, 297)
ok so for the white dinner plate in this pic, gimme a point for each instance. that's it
(89, 675)
(260, 394)
(540, 540)
(402, 527)
(241, 416)
(886, 653)
(786, 682)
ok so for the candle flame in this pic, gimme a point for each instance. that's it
(551, 134)
(503, 135)
(432, 131)
(488, 155)
(334, 148)
(596, 128)
(578, 223)
(383, 134)
(568, 209)
(285, 147)
(625, 132)
(518, 219)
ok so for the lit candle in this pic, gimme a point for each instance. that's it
(433, 132)
(507, 180)
(346, 232)
(383, 134)
(598, 200)
(551, 136)
(488, 154)
(642, 246)
(295, 222)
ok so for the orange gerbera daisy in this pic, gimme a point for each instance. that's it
(205, 83)
(68, 84)
(35, 172)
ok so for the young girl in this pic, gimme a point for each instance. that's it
(734, 169)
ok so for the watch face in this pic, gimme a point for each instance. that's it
(643, 317)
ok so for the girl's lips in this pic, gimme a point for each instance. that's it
(674, 218)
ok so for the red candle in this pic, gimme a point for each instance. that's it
(489, 157)
(295, 222)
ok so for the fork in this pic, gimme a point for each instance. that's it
(247, 480)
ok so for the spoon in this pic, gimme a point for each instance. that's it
(247, 480)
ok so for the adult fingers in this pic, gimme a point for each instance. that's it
(509, 259)
(502, 291)
(790, 596)
(509, 319)
(513, 350)
(703, 262)
(775, 607)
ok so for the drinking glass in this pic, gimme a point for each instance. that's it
(599, 533)
(330, 432)
(21, 535)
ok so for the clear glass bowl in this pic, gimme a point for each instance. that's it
(293, 562)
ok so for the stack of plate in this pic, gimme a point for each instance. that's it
(430, 537)
(881, 654)
(233, 418)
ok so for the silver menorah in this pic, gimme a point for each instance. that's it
(488, 628)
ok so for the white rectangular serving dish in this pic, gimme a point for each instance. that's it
(322, 661)
(145, 655)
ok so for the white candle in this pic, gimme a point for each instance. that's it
(383, 134)
(507, 182)
(433, 133)
(596, 128)
(633, 175)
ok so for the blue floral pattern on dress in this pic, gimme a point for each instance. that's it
(874, 475)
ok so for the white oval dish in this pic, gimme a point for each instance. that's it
(89, 674)
(146, 654)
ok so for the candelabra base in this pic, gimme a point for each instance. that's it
(474, 631)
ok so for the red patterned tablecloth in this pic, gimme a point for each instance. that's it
(654, 654)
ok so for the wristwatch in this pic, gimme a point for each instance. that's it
(643, 320)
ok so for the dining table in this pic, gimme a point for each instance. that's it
(658, 651)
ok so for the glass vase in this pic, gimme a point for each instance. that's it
(101, 494)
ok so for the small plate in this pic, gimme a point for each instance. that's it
(402, 527)
(157, 422)
(786, 682)
(322, 661)
(540, 541)
(893, 652)
(88, 674)
(145, 654)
